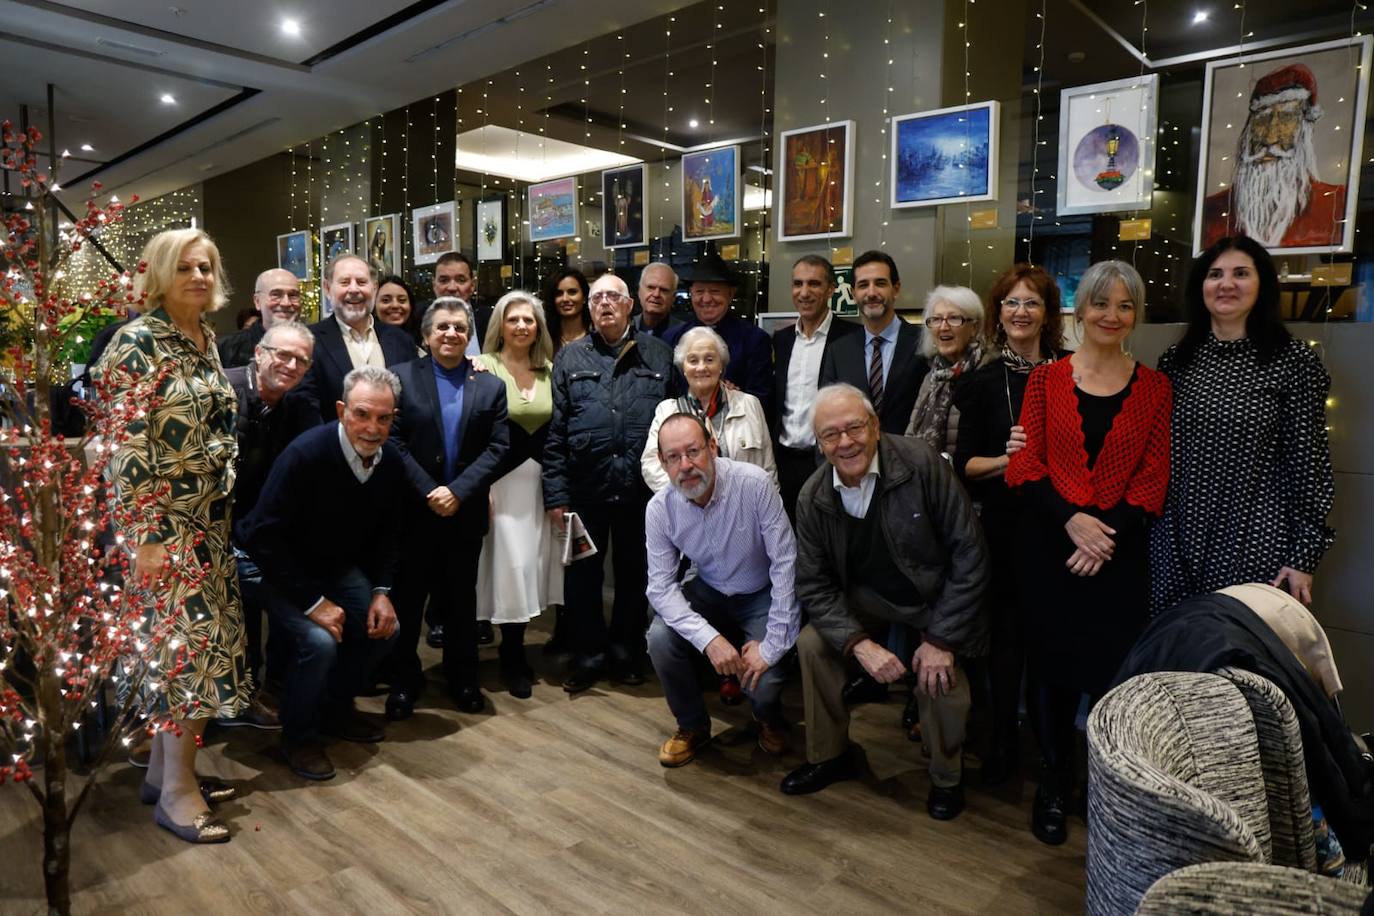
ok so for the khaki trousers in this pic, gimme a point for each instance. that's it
(943, 718)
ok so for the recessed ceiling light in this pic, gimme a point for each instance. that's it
(168, 99)
(291, 27)
(1199, 16)
(87, 148)
(693, 123)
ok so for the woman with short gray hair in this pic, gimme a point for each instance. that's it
(953, 347)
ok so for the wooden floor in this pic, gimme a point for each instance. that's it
(556, 804)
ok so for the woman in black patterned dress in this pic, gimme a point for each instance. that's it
(1251, 481)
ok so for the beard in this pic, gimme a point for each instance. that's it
(352, 311)
(1268, 196)
(696, 490)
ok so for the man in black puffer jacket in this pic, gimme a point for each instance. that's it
(605, 389)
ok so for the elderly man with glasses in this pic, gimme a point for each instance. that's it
(277, 297)
(885, 535)
(605, 388)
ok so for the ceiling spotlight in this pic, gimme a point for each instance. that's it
(1199, 17)
(291, 27)
(87, 148)
(693, 123)
(168, 99)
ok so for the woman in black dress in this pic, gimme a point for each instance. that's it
(1094, 467)
(1023, 325)
(1252, 481)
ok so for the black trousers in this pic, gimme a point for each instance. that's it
(795, 467)
(621, 526)
(439, 565)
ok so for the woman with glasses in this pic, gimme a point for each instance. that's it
(1252, 482)
(173, 477)
(951, 345)
(735, 418)
(1094, 469)
(1025, 330)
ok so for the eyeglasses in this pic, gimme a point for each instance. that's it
(283, 358)
(607, 295)
(950, 321)
(276, 295)
(1030, 305)
(673, 459)
(856, 429)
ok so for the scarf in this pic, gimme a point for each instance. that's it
(930, 416)
(1018, 363)
(713, 412)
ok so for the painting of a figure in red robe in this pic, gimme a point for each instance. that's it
(1287, 181)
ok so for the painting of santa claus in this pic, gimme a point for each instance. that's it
(1281, 139)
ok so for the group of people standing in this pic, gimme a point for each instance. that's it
(955, 505)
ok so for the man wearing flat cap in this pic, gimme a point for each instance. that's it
(750, 369)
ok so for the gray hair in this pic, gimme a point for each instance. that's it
(444, 304)
(962, 298)
(348, 256)
(685, 342)
(1096, 283)
(660, 265)
(286, 327)
(834, 392)
(375, 376)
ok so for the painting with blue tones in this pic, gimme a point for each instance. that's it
(553, 210)
(710, 194)
(945, 156)
(293, 254)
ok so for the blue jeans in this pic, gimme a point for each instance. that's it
(675, 659)
(322, 676)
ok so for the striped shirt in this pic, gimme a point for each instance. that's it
(741, 543)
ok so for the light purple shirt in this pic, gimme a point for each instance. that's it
(741, 543)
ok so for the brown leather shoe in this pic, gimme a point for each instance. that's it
(772, 738)
(308, 760)
(682, 747)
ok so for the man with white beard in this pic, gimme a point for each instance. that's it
(350, 338)
(727, 518)
(1275, 196)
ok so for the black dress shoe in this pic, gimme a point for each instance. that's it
(485, 634)
(812, 777)
(945, 802)
(352, 725)
(469, 699)
(580, 679)
(1049, 822)
(863, 689)
(435, 637)
(519, 683)
(400, 705)
(629, 675)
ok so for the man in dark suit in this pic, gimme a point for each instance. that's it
(453, 437)
(326, 534)
(751, 352)
(277, 297)
(884, 362)
(799, 350)
(350, 338)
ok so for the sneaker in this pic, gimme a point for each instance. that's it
(682, 747)
(772, 738)
(256, 715)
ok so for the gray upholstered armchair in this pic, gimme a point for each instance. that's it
(1249, 889)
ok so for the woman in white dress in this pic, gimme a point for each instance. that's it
(520, 572)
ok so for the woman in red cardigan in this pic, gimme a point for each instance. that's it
(1094, 468)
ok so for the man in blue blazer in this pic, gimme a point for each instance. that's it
(453, 437)
(884, 362)
(351, 337)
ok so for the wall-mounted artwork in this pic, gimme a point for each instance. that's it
(816, 182)
(710, 194)
(293, 253)
(435, 232)
(1280, 132)
(491, 229)
(946, 156)
(334, 241)
(553, 210)
(1107, 146)
(382, 234)
(624, 218)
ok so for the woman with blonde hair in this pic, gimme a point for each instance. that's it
(173, 478)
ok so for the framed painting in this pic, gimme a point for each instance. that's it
(1282, 136)
(816, 182)
(293, 253)
(383, 237)
(553, 210)
(770, 322)
(624, 217)
(1107, 146)
(334, 241)
(945, 156)
(491, 229)
(435, 231)
(710, 194)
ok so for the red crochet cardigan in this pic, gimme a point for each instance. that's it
(1134, 462)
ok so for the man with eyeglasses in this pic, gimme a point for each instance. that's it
(606, 386)
(277, 297)
(269, 418)
(885, 536)
(727, 518)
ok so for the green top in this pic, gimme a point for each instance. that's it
(529, 414)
